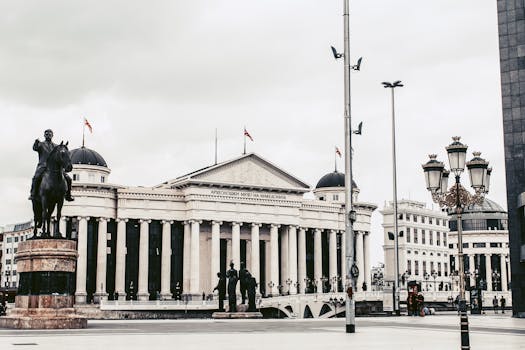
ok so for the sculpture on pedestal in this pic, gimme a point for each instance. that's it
(233, 277)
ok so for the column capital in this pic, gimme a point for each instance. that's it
(302, 228)
(83, 218)
(167, 222)
(237, 223)
(216, 222)
(193, 221)
(333, 231)
(121, 220)
(102, 219)
(256, 224)
(275, 225)
(294, 226)
(318, 230)
(142, 221)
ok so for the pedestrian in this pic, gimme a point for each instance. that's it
(420, 304)
(495, 304)
(502, 303)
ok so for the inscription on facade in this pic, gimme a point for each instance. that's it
(241, 194)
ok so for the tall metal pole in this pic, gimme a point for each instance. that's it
(396, 240)
(349, 215)
(462, 305)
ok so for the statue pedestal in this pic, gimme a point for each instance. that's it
(45, 298)
(236, 315)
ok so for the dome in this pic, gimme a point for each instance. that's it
(335, 179)
(488, 206)
(87, 156)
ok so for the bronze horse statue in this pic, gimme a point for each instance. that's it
(52, 189)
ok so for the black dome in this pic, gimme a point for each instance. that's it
(488, 206)
(87, 156)
(334, 179)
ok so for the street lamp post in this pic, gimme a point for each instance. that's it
(455, 199)
(392, 86)
(496, 278)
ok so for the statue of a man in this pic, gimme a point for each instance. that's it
(221, 287)
(233, 277)
(243, 274)
(44, 148)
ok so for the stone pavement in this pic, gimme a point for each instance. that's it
(429, 333)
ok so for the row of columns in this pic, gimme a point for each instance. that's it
(488, 271)
(293, 257)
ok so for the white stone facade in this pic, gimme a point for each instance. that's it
(12, 236)
(423, 245)
(171, 239)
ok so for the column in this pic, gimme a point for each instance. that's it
(503, 272)
(236, 244)
(62, 226)
(472, 269)
(215, 262)
(120, 263)
(359, 260)
(366, 249)
(301, 270)
(488, 270)
(343, 258)
(332, 255)
(284, 259)
(143, 293)
(255, 258)
(186, 268)
(81, 294)
(292, 258)
(195, 258)
(318, 260)
(102, 259)
(274, 259)
(165, 266)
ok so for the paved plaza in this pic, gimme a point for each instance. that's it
(434, 332)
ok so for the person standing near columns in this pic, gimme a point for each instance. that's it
(318, 261)
(215, 263)
(120, 263)
(274, 258)
(165, 273)
(102, 247)
(81, 294)
(186, 264)
(195, 258)
(301, 270)
(143, 293)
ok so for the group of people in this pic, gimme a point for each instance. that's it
(502, 303)
(416, 304)
(248, 284)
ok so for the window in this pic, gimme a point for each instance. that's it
(439, 269)
(400, 216)
(416, 252)
(478, 245)
(444, 238)
(335, 197)
(8, 261)
(438, 238)
(14, 272)
(451, 246)
(414, 218)
(439, 254)
(75, 177)
(408, 234)
(416, 268)
(321, 198)
(465, 245)
(430, 220)
(495, 245)
(431, 266)
(103, 179)
(415, 235)
(438, 222)
(8, 251)
(409, 267)
(15, 250)
(422, 219)
(424, 267)
(408, 217)
(9, 239)
(409, 251)
(445, 265)
(430, 237)
(16, 239)
(423, 238)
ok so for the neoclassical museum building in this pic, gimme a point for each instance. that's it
(157, 242)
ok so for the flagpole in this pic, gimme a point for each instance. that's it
(244, 134)
(215, 146)
(83, 133)
(335, 159)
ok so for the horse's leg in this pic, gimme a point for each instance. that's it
(59, 234)
(44, 217)
(49, 215)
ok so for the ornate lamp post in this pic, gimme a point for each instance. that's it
(324, 279)
(455, 199)
(496, 278)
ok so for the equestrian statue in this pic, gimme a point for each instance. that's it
(51, 184)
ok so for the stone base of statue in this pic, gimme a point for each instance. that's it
(241, 313)
(46, 270)
(236, 315)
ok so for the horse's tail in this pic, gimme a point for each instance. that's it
(37, 212)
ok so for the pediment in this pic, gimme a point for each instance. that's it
(247, 171)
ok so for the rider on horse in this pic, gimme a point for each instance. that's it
(44, 149)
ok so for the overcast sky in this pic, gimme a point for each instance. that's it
(156, 78)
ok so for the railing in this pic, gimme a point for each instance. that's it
(159, 305)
